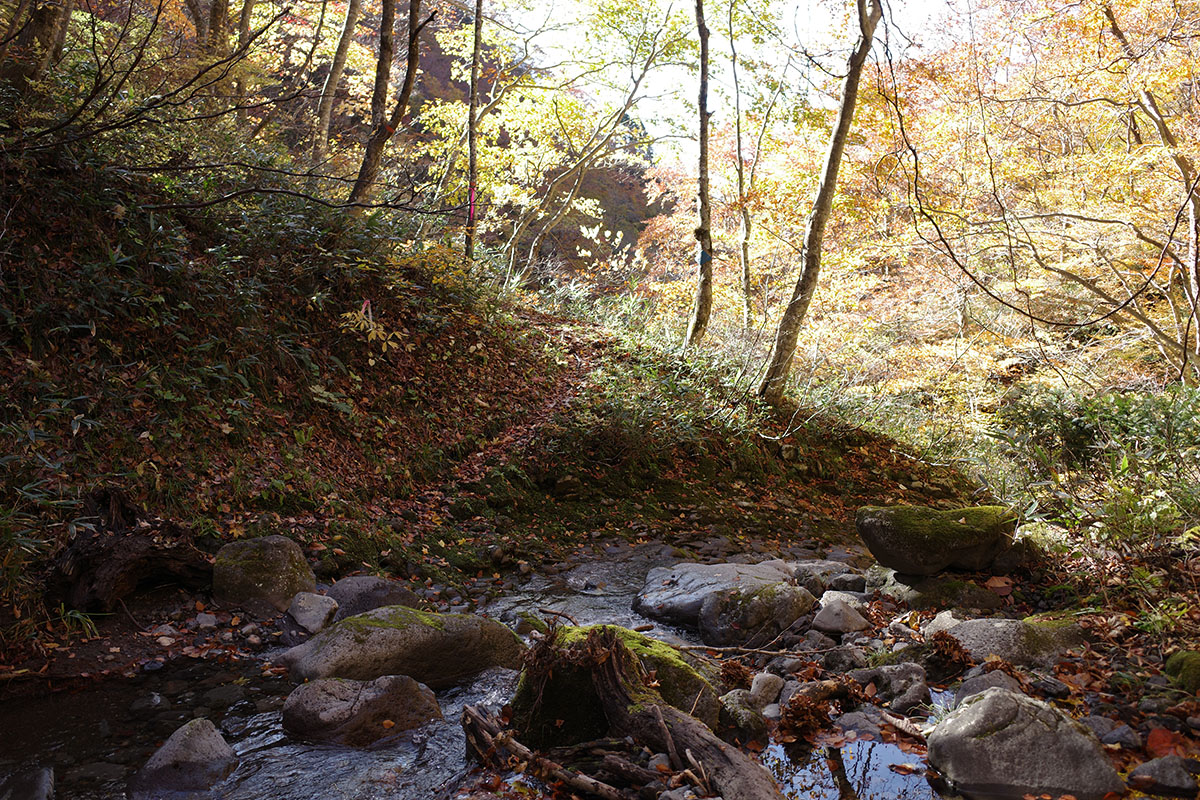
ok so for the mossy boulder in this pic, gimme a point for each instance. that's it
(439, 650)
(261, 575)
(1030, 642)
(921, 541)
(567, 709)
(752, 616)
(1184, 669)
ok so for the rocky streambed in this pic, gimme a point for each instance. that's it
(825, 670)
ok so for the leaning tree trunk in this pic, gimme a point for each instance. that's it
(702, 305)
(329, 90)
(472, 137)
(784, 349)
(373, 155)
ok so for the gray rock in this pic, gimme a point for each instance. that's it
(194, 758)
(675, 594)
(206, 621)
(30, 784)
(1023, 642)
(938, 591)
(739, 714)
(1006, 744)
(815, 575)
(751, 617)
(980, 683)
(772, 712)
(944, 621)
(901, 631)
(439, 650)
(866, 721)
(815, 641)
(1124, 737)
(838, 616)
(361, 593)
(765, 688)
(789, 689)
(312, 612)
(856, 600)
(358, 713)
(848, 582)
(903, 686)
(922, 541)
(844, 659)
(1171, 775)
(1100, 726)
(221, 697)
(261, 575)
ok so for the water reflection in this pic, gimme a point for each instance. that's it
(860, 770)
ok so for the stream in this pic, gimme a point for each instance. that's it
(96, 739)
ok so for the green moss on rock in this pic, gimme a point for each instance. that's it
(1184, 669)
(921, 541)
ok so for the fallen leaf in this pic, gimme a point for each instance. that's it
(1162, 742)
(904, 769)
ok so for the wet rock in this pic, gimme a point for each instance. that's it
(921, 541)
(981, 683)
(439, 650)
(1022, 642)
(96, 772)
(903, 686)
(1170, 775)
(30, 784)
(752, 616)
(1004, 743)
(360, 593)
(675, 594)
(145, 707)
(312, 612)
(222, 697)
(739, 716)
(261, 575)
(194, 758)
(938, 591)
(765, 688)
(358, 713)
(838, 616)
(866, 722)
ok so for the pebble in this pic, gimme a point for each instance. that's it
(1123, 735)
(165, 641)
(206, 622)
(249, 629)
(253, 641)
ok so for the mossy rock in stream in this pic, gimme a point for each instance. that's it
(921, 541)
(568, 710)
(1184, 669)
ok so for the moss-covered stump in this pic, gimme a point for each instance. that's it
(439, 650)
(565, 709)
(1184, 669)
(262, 575)
(921, 541)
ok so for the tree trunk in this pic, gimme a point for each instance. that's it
(243, 42)
(702, 306)
(299, 76)
(383, 66)
(329, 90)
(784, 348)
(472, 137)
(373, 155)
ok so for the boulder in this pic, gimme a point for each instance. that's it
(439, 650)
(261, 575)
(1184, 669)
(30, 784)
(838, 616)
(360, 593)
(1170, 775)
(752, 616)
(988, 680)
(938, 591)
(922, 541)
(358, 713)
(1023, 642)
(816, 575)
(312, 612)
(739, 715)
(903, 686)
(194, 758)
(675, 594)
(1004, 744)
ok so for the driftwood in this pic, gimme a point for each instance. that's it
(124, 548)
(632, 709)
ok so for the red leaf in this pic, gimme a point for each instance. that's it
(1162, 742)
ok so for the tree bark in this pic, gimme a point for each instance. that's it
(784, 349)
(744, 250)
(329, 90)
(702, 305)
(383, 66)
(472, 137)
(373, 155)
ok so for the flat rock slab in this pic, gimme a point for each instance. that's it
(439, 650)
(358, 713)
(676, 594)
(1003, 744)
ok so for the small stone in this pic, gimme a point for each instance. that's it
(192, 759)
(772, 712)
(765, 689)
(253, 641)
(165, 641)
(1124, 736)
(249, 629)
(1172, 775)
(838, 616)
(206, 622)
(312, 612)
(659, 760)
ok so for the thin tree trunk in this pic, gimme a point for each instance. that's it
(784, 348)
(243, 41)
(373, 155)
(308, 59)
(741, 175)
(472, 136)
(702, 306)
(329, 90)
(383, 66)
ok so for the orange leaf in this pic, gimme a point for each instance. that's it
(1162, 742)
